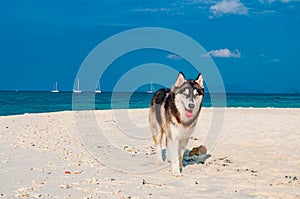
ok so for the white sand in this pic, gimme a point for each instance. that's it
(257, 155)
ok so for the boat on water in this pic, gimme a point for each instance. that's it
(77, 90)
(98, 88)
(55, 90)
(151, 90)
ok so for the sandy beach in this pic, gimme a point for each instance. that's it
(64, 155)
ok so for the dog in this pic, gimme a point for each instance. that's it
(173, 116)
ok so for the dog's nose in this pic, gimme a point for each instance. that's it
(191, 106)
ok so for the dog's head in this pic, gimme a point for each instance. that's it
(188, 96)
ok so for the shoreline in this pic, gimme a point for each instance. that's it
(209, 108)
(42, 155)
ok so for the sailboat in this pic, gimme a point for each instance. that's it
(98, 88)
(151, 88)
(55, 90)
(78, 87)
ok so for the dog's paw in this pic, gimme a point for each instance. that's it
(159, 161)
(176, 174)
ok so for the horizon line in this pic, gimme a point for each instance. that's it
(103, 91)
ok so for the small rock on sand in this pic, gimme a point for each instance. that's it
(200, 150)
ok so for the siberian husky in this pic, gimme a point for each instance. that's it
(173, 116)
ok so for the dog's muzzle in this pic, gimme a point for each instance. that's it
(191, 106)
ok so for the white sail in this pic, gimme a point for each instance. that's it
(55, 90)
(77, 90)
(98, 88)
(151, 90)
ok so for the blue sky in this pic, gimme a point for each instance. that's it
(255, 44)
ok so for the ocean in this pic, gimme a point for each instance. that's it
(14, 103)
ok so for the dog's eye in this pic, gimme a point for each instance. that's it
(196, 93)
(185, 94)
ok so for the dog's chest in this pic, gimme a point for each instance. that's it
(181, 132)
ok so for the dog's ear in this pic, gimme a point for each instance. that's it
(180, 79)
(199, 80)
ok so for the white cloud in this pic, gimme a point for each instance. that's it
(229, 7)
(271, 1)
(153, 10)
(173, 56)
(266, 1)
(225, 53)
(264, 12)
(200, 2)
(275, 60)
(263, 55)
(269, 59)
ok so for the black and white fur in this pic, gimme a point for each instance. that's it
(173, 116)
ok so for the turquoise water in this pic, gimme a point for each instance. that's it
(12, 103)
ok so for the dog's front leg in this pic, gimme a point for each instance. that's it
(181, 152)
(159, 158)
(173, 152)
(181, 147)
